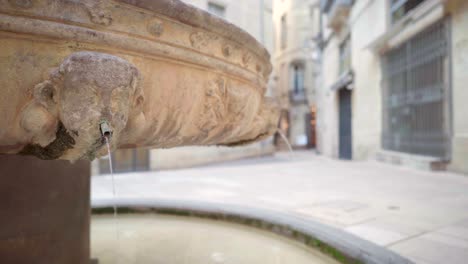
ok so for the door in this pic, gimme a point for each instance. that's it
(345, 132)
(310, 129)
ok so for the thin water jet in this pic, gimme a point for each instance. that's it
(114, 203)
(112, 174)
(285, 139)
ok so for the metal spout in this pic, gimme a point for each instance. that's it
(105, 129)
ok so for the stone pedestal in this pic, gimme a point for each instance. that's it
(44, 211)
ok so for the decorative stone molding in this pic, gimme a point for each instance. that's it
(214, 109)
(159, 74)
(98, 11)
(21, 3)
(155, 27)
(86, 88)
(200, 39)
(135, 29)
(246, 59)
(227, 50)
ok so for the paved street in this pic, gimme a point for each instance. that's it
(420, 215)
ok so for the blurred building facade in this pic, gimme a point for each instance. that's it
(255, 17)
(296, 24)
(393, 82)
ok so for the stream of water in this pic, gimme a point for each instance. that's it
(112, 174)
(114, 204)
(285, 139)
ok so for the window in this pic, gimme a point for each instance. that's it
(399, 8)
(216, 9)
(297, 87)
(284, 32)
(345, 55)
(298, 79)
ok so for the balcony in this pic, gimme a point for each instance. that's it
(298, 97)
(337, 11)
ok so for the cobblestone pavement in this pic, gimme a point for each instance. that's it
(420, 215)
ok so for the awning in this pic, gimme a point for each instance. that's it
(345, 81)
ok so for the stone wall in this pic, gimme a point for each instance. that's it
(459, 22)
(368, 24)
(366, 102)
(327, 101)
(371, 35)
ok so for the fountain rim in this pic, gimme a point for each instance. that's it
(333, 242)
(114, 36)
(198, 18)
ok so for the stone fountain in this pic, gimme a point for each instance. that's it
(144, 73)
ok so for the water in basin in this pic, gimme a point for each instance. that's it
(150, 238)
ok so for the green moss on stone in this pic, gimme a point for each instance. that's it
(283, 230)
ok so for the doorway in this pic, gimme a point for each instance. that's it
(310, 125)
(345, 125)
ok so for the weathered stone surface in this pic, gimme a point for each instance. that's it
(161, 73)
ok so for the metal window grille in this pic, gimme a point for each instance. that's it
(416, 116)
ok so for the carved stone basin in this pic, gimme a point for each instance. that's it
(155, 74)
